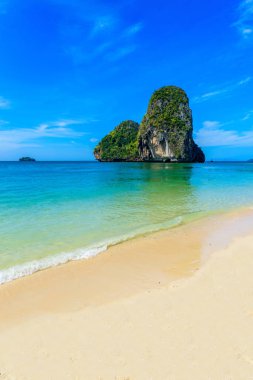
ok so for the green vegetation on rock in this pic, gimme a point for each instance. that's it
(165, 133)
(121, 144)
(165, 108)
(166, 129)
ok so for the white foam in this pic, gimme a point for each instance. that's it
(31, 267)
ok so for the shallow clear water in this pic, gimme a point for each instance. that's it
(59, 211)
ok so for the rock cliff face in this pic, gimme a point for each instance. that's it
(165, 133)
(121, 144)
(166, 130)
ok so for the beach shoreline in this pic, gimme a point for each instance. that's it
(130, 276)
(129, 267)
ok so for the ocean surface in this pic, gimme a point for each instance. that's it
(53, 212)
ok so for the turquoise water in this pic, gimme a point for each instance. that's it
(54, 212)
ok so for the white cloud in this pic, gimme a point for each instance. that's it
(244, 81)
(213, 134)
(60, 124)
(3, 122)
(248, 115)
(120, 45)
(247, 31)
(133, 29)
(103, 24)
(114, 49)
(225, 90)
(208, 95)
(93, 140)
(19, 137)
(244, 23)
(211, 124)
(4, 103)
(108, 37)
(121, 52)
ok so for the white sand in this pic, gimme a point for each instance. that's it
(196, 328)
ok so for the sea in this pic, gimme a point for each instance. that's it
(54, 212)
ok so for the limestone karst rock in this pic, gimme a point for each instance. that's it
(121, 144)
(166, 130)
(165, 133)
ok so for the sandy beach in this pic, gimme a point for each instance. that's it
(126, 190)
(176, 304)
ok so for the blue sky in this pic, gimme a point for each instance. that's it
(71, 70)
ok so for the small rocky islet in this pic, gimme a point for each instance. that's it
(164, 135)
(27, 159)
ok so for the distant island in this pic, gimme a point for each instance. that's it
(164, 135)
(27, 159)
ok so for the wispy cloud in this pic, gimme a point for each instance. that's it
(100, 34)
(103, 24)
(4, 103)
(60, 125)
(121, 52)
(111, 47)
(213, 134)
(248, 115)
(208, 95)
(244, 23)
(16, 137)
(121, 45)
(3, 122)
(247, 32)
(211, 124)
(244, 81)
(133, 29)
(224, 90)
(93, 140)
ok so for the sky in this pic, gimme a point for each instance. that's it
(71, 70)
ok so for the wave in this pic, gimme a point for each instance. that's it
(31, 267)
